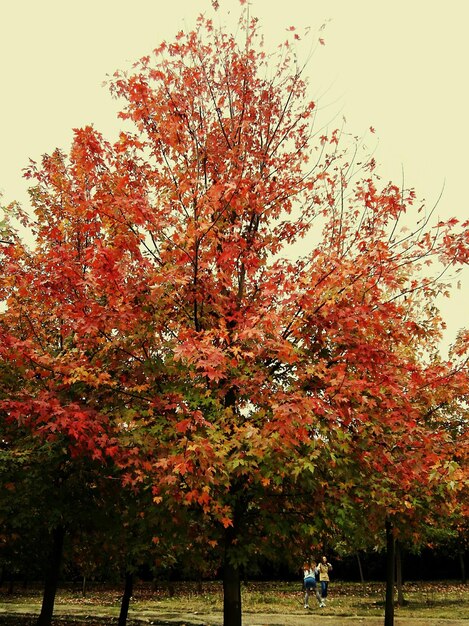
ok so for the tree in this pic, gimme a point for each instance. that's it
(404, 477)
(53, 468)
(234, 298)
(47, 502)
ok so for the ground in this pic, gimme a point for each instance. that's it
(258, 619)
(264, 604)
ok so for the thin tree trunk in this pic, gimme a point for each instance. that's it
(360, 568)
(83, 587)
(128, 590)
(400, 592)
(52, 577)
(171, 588)
(389, 609)
(463, 567)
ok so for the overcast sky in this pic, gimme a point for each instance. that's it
(398, 66)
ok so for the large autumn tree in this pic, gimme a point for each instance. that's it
(229, 300)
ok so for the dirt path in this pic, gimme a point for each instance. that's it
(269, 619)
(336, 620)
(266, 619)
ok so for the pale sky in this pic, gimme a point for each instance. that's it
(400, 66)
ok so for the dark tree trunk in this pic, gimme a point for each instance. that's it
(389, 608)
(400, 592)
(232, 614)
(463, 567)
(128, 590)
(360, 568)
(52, 577)
(171, 587)
(231, 595)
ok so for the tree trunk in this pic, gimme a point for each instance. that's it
(52, 577)
(232, 615)
(231, 594)
(463, 567)
(360, 568)
(171, 587)
(400, 593)
(389, 609)
(128, 589)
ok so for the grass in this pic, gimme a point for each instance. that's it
(437, 600)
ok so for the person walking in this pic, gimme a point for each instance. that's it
(324, 568)
(309, 580)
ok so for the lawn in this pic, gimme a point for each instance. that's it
(441, 600)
